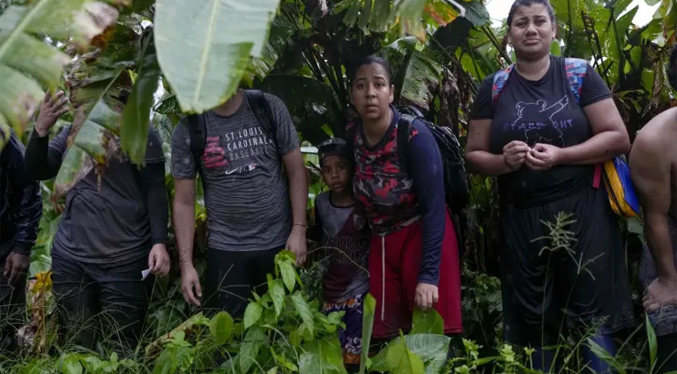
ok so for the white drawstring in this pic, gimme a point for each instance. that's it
(383, 262)
(383, 277)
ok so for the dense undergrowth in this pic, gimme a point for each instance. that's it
(309, 48)
(284, 331)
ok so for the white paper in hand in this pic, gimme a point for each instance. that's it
(144, 273)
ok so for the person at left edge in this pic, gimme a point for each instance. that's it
(110, 231)
(20, 213)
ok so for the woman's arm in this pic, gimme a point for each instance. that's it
(428, 178)
(479, 159)
(610, 136)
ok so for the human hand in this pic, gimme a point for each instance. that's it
(297, 244)
(426, 296)
(190, 282)
(543, 157)
(660, 293)
(16, 266)
(158, 260)
(515, 154)
(51, 109)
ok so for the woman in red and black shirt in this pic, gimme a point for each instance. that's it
(413, 235)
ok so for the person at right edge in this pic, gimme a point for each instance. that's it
(653, 167)
(542, 143)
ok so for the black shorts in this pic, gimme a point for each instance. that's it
(231, 276)
(546, 292)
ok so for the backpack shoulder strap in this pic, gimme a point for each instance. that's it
(351, 130)
(500, 79)
(403, 126)
(576, 70)
(262, 111)
(197, 126)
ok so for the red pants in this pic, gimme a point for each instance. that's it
(403, 253)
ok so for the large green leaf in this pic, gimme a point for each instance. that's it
(276, 291)
(253, 342)
(94, 143)
(415, 73)
(70, 364)
(477, 13)
(98, 82)
(204, 48)
(427, 322)
(431, 349)
(27, 64)
(401, 360)
(252, 314)
(136, 115)
(302, 308)
(322, 356)
(221, 327)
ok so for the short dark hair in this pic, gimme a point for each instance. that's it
(672, 68)
(519, 3)
(334, 147)
(368, 60)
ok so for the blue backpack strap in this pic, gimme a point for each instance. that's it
(500, 79)
(576, 70)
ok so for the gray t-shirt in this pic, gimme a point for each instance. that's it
(246, 194)
(106, 223)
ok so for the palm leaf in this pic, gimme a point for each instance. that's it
(27, 64)
(204, 49)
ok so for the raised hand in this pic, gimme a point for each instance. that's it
(51, 109)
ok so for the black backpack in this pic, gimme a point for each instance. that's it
(455, 177)
(198, 127)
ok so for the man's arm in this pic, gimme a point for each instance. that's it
(651, 175)
(184, 219)
(298, 193)
(184, 169)
(184, 227)
(288, 147)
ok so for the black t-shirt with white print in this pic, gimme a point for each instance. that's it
(543, 111)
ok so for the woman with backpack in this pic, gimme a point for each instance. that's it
(413, 259)
(541, 127)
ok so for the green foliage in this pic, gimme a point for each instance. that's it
(204, 48)
(27, 64)
(305, 57)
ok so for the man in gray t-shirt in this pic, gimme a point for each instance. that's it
(252, 212)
